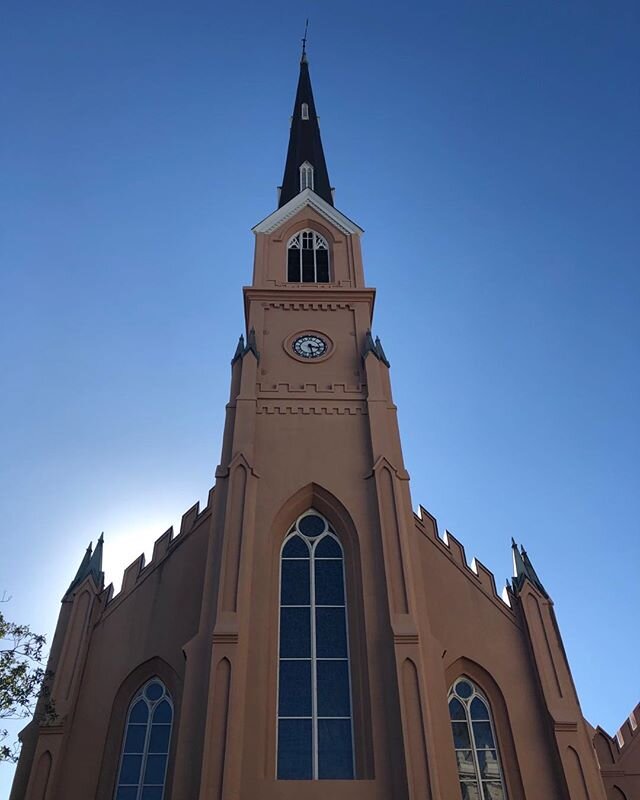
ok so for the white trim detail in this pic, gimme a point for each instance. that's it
(308, 198)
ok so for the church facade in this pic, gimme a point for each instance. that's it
(306, 633)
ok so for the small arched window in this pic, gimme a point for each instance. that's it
(143, 764)
(306, 176)
(474, 739)
(307, 258)
(305, 111)
(315, 736)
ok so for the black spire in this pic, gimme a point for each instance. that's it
(305, 145)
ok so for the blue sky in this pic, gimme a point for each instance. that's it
(490, 151)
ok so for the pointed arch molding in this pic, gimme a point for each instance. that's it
(326, 503)
(415, 742)
(116, 728)
(491, 690)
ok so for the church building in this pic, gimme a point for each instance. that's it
(307, 635)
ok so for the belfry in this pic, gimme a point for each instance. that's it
(306, 634)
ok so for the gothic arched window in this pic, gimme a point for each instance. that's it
(315, 736)
(143, 764)
(306, 176)
(307, 258)
(474, 739)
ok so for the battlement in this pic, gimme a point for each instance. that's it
(476, 571)
(138, 570)
(616, 746)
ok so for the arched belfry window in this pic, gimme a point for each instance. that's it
(143, 763)
(307, 258)
(315, 732)
(474, 739)
(306, 176)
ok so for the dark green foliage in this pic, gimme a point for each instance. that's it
(22, 679)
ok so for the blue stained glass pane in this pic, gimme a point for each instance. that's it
(329, 583)
(136, 735)
(456, 709)
(295, 548)
(294, 588)
(331, 633)
(127, 793)
(294, 689)
(154, 691)
(163, 712)
(461, 735)
(335, 752)
(155, 769)
(311, 525)
(333, 689)
(140, 712)
(295, 633)
(464, 689)
(482, 734)
(159, 739)
(294, 749)
(478, 709)
(152, 792)
(130, 770)
(327, 547)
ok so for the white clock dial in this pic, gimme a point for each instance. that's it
(309, 346)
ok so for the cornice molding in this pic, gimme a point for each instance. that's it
(307, 198)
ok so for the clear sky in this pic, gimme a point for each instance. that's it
(490, 151)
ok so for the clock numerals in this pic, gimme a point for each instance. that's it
(309, 346)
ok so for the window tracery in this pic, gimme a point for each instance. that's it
(474, 738)
(315, 735)
(143, 764)
(307, 258)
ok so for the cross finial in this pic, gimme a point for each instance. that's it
(304, 41)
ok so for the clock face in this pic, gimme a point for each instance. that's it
(309, 346)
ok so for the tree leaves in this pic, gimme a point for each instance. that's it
(22, 678)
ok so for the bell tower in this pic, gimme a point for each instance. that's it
(314, 665)
(306, 635)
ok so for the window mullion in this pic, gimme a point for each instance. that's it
(474, 747)
(145, 752)
(314, 666)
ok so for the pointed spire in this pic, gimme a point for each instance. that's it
(369, 345)
(305, 144)
(523, 568)
(381, 354)
(83, 571)
(251, 344)
(239, 349)
(95, 564)
(531, 573)
(91, 564)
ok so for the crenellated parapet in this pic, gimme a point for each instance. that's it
(475, 572)
(138, 570)
(619, 757)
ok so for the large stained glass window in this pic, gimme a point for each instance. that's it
(475, 742)
(315, 736)
(143, 764)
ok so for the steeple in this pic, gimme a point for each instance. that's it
(305, 166)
